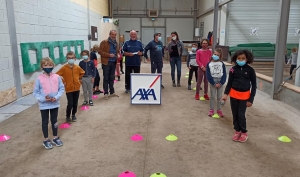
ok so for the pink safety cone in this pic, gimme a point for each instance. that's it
(137, 137)
(65, 125)
(4, 138)
(127, 174)
(84, 108)
(115, 81)
(95, 96)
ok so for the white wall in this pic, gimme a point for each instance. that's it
(6, 66)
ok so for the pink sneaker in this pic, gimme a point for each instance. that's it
(243, 138)
(211, 112)
(220, 113)
(236, 136)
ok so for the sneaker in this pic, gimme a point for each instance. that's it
(189, 87)
(96, 92)
(47, 144)
(122, 72)
(74, 119)
(197, 97)
(106, 97)
(91, 103)
(127, 91)
(236, 136)
(68, 119)
(84, 103)
(220, 113)
(162, 86)
(178, 84)
(174, 85)
(243, 138)
(57, 142)
(119, 79)
(113, 95)
(211, 112)
(206, 97)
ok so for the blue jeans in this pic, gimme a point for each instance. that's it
(109, 77)
(175, 61)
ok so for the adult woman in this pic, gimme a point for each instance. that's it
(175, 48)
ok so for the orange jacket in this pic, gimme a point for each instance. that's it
(71, 77)
(104, 51)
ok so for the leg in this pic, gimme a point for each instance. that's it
(112, 69)
(136, 69)
(128, 71)
(219, 96)
(205, 83)
(190, 76)
(199, 80)
(159, 66)
(96, 81)
(121, 66)
(153, 67)
(53, 117)
(172, 63)
(75, 102)
(195, 68)
(178, 64)
(292, 69)
(105, 78)
(241, 115)
(85, 88)
(234, 103)
(90, 88)
(213, 91)
(70, 103)
(45, 121)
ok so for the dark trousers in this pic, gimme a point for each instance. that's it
(121, 65)
(175, 61)
(156, 67)
(292, 69)
(194, 69)
(97, 79)
(45, 121)
(128, 71)
(238, 108)
(109, 77)
(72, 98)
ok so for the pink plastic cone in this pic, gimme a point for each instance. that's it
(65, 125)
(95, 96)
(116, 81)
(137, 137)
(4, 138)
(127, 174)
(84, 108)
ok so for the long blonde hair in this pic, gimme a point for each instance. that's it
(95, 47)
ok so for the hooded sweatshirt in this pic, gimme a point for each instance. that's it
(293, 58)
(156, 51)
(50, 86)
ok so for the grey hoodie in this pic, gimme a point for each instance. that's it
(293, 59)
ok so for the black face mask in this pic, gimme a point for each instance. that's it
(48, 70)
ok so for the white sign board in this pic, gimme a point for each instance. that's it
(297, 31)
(145, 88)
(254, 31)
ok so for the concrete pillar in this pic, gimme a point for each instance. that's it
(215, 29)
(89, 24)
(297, 77)
(195, 17)
(280, 46)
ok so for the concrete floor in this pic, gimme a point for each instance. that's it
(99, 144)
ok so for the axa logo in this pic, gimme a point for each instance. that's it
(144, 94)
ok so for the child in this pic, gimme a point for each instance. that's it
(48, 89)
(192, 65)
(88, 78)
(216, 76)
(72, 77)
(293, 60)
(119, 59)
(93, 57)
(203, 56)
(241, 79)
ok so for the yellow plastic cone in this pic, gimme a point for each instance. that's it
(284, 139)
(194, 88)
(216, 116)
(202, 98)
(171, 137)
(192, 82)
(186, 76)
(187, 73)
(158, 175)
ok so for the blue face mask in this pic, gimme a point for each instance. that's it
(240, 63)
(71, 61)
(159, 38)
(48, 70)
(215, 57)
(85, 57)
(194, 49)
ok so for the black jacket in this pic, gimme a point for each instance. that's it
(242, 79)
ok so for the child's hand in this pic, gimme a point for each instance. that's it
(189, 67)
(224, 97)
(203, 69)
(218, 85)
(248, 104)
(80, 80)
(48, 99)
(53, 99)
(93, 79)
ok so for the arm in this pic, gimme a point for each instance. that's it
(125, 50)
(148, 46)
(208, 75)
(163, 49)
(81, 72)
(37, 91)
(181, 48)
(94, 70)
(188, 61)
(60, 72)
(61, 89)
(253, 85)
(223, 79)
(229, 83)
(102, 52)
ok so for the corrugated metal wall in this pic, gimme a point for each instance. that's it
(244, 14)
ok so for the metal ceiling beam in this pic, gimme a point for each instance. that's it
(145, 16)
(212, 8)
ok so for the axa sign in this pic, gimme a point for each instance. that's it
(144, 94)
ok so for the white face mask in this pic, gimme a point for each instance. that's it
(174, 37)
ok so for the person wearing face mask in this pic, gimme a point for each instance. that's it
(156, 54)
(48, 88)
(175, 48)
(72, 76)
(241, 87)
(88, 78)
(216, 76)
(192, 65)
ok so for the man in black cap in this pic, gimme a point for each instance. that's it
(156, 54)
